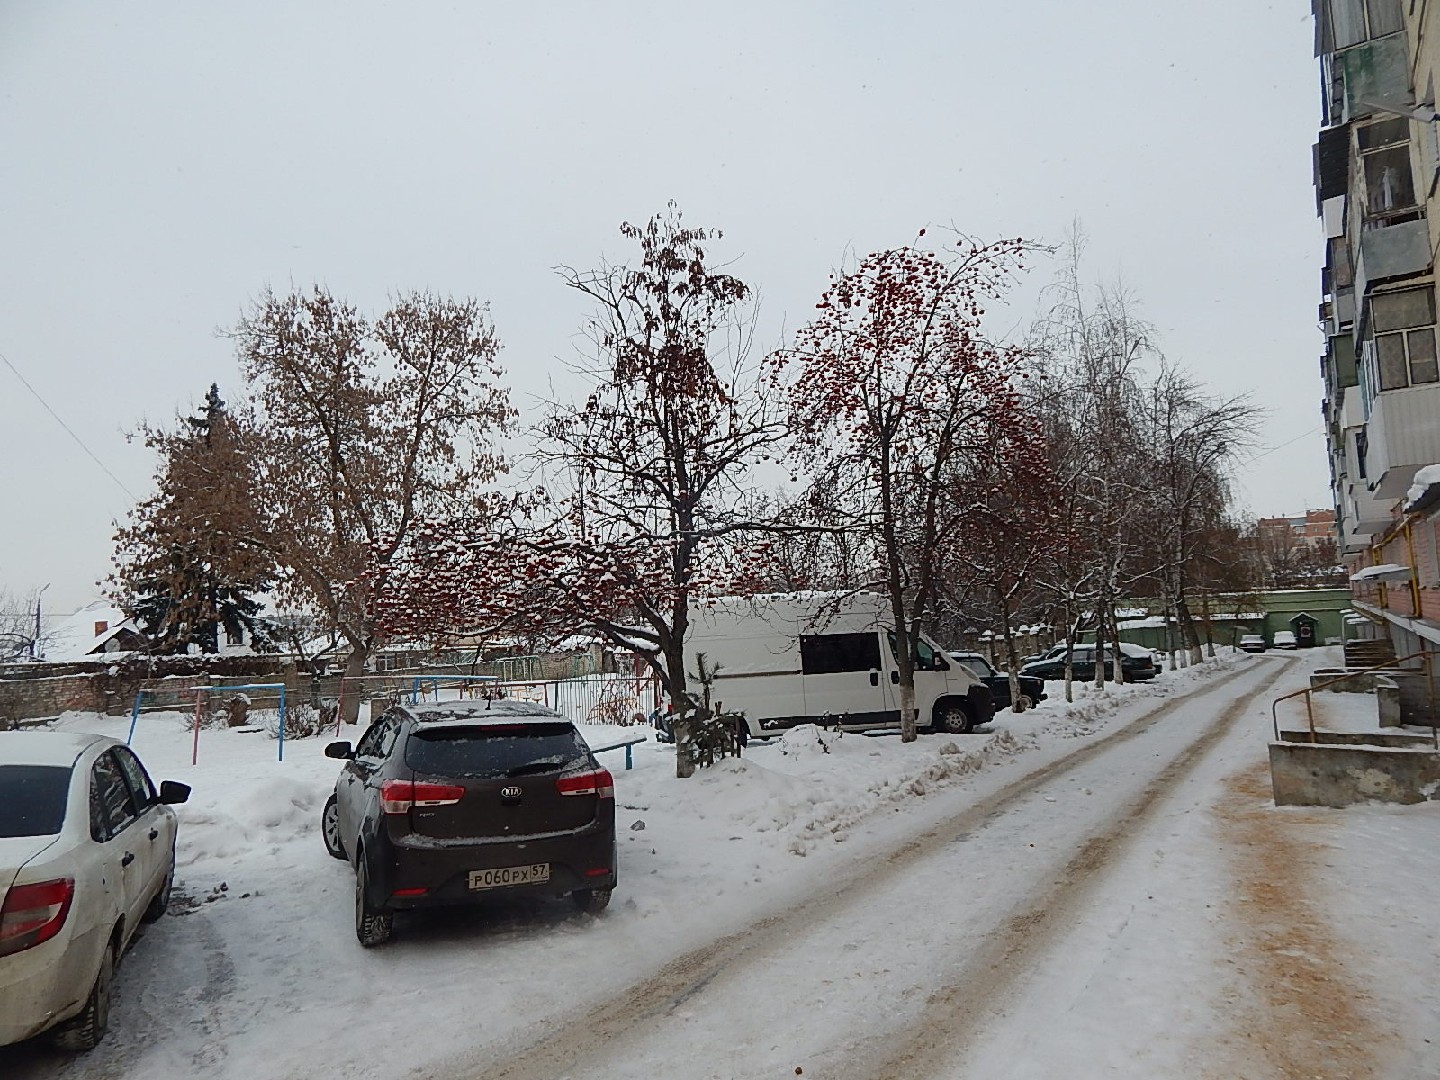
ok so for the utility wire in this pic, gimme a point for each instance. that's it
(1271, 449)
(79, 442)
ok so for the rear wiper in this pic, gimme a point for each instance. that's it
(537, 766)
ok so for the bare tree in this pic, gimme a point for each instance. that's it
(23, 631)
(360, 432)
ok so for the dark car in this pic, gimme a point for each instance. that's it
(1137, 664)
(454, 802)
(1032, 690)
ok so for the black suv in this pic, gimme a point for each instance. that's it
(452, 802)
(1032, 690)
(1136, 663)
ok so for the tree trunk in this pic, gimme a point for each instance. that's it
(682, 708)
(351, 688)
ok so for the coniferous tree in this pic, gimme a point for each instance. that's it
(183, 567)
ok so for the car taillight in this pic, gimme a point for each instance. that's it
(398, 796)
(34, 913)
(591, 782)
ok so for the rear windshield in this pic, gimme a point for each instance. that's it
(494, 750)
(32, 799)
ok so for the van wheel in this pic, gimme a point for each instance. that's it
(88, 1028)
(952, 718)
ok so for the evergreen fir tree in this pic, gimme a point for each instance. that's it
(184, 568)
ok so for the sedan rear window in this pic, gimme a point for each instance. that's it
(494, 750)
(32, 799)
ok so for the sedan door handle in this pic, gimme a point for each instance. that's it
(154, 833)
(874, 678)
(128, 859)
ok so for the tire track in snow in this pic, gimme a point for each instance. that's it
(598, 1034)
(932, 1043)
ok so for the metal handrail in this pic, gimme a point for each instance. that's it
(1425, 655)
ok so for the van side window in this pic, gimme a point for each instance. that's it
(826, 654)
(924, 658)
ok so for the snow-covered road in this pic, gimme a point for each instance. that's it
(1098, 890)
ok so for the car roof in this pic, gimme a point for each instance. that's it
(47, 747)
(479, 712)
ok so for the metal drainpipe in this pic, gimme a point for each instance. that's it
(1414, 571)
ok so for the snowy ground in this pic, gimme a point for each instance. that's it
(1096, 923)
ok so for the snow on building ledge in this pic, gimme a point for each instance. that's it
(1424, 491)
(1383, 572)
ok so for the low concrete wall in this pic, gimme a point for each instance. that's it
(1311, 774)
(1358, 738)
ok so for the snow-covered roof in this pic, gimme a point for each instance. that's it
(1140, 624)
(76, 639)
(1383, 572)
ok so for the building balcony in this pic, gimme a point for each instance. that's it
(1404, 436)
(1396, 251)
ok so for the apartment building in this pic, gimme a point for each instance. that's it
(1377, 170)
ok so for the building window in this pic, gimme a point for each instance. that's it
(1385, 156)
(1403, 327)
(1354, 21)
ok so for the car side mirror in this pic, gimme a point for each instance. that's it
(340, 750)
(172, 791)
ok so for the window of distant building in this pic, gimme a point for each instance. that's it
(1403, 325)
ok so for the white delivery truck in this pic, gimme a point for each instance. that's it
(804, 658)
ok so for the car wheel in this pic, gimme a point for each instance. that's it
(88, 1028)
(591, 901)
(372, 924)
(161, 900)
(952, 719)
(330, 829)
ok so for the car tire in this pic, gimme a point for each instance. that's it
(161, 900)
(330, 829)
(85, 1030)
(952, 718)
(591, 901)
(372, 925)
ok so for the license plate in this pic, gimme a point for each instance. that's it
(534, 874)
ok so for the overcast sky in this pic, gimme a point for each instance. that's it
(160, 164)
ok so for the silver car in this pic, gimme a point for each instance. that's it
(87, 853)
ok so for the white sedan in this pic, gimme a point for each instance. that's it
(87, 853)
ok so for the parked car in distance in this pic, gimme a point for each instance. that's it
(1283, 639)
(1252, 643)
(453, 802)
(1136, 663)
(87, 854)
(1032, 690)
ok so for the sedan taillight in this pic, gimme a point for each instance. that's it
(591, 782)
(399, 796)
(34, 913)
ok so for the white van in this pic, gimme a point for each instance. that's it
(805, 658)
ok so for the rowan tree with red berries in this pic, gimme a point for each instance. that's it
(887, 390)
(651, 471)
